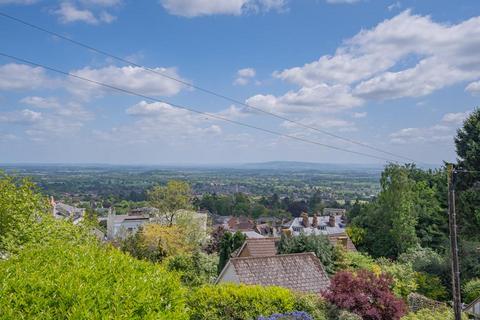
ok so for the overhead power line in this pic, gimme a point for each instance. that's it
(215, 116)
(191, 85)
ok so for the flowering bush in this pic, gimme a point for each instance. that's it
(365, 294)
(296, 315)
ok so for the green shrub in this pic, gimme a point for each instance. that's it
(196, 269)
(25, 217)
(314, 305)
(404, 277)
(62, 280)
(425, 260)
(427, 314)
(431, 286)
(238, 302)
(352, 260)
(345, 315)
(471, 290)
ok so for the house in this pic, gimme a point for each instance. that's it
(120, 226)
(258, 247)
(301, 272)
(333, 226)
(64, 211)
(473, 308)
(240, 224)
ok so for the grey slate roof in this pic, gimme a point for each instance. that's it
(302, 272)
(296, 226)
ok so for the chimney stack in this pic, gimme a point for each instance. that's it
(315, 220)
(305, 221)
(331, 220)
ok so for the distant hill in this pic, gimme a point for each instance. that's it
(296, 165)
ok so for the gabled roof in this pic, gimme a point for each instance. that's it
(302, 272)
(258, 247)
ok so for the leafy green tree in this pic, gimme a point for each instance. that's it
(467, 144)
(318, 244)
(230, 242)
(397, 201)
(408, 211)
(169, 199)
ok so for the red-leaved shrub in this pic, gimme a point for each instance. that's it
(365, 294)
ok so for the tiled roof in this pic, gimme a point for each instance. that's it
(302, 272)
(258, 247)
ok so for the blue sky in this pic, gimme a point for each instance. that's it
(397, 75)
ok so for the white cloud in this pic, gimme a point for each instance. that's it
(395, 5)
(15, 76)
(443, 132)
(57, 119)
(194, 8)
(68, 12)
(7, 136)
(342, 1)
(129, 78)
(41, 102)
(103, 3)
(319, 98)
(22, 2)
(161, 122)
(473, 88)
(359, 115)
(455, 118)
(406, 56)
(25, 116)
(244, 76)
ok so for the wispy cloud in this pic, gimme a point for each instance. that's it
(195, 8)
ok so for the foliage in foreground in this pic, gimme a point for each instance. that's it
(365, 294)
(25, 217)
(86, 281)
(230, 301)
